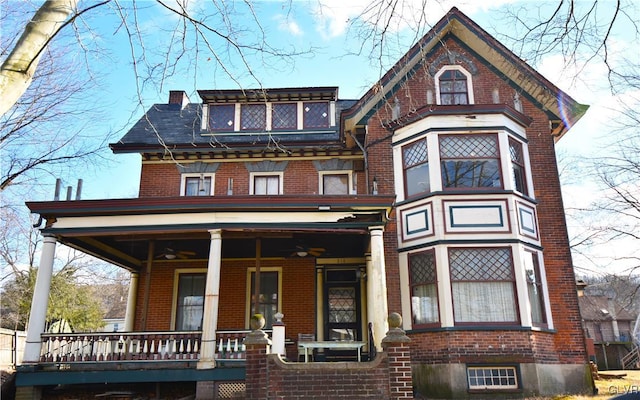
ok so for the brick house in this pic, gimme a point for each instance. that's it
(435, 196)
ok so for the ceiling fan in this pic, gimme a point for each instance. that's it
(171, 254)
(303, 251)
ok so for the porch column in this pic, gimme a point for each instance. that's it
(377, 309)
(130, 315)
(211, 301)
(40, 301)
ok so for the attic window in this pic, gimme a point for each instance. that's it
(221, 117)
(453, 86)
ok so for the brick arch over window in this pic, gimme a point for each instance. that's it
(452, 58)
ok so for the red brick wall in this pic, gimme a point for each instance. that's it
(300, 177)
(497, 346)
(298, 294)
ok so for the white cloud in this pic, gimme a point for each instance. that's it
(289, 25)
(333, 16)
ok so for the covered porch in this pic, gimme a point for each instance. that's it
(200, 267)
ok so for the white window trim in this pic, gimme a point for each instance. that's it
(350, 188)
(183, 181)
(466, 73)
(251, 270)
(176, 281)
(491, 369)
(253, 175)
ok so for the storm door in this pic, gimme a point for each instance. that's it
(342, 307)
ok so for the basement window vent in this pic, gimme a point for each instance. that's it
(495, 377)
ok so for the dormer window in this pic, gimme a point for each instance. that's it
(284, 116)
(316, 114)
(453, 86)
(253, 117)
(222, 117)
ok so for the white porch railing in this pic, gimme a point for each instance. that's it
(136, 346)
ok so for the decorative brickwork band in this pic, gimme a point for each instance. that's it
(396, 345)
(257, 345)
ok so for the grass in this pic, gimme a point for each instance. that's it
(609, 387)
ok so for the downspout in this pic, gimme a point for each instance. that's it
(364, 154)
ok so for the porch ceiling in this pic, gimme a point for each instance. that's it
(128, 232)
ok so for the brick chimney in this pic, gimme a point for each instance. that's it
(178, 97)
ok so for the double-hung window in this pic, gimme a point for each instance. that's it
(470, 161)
(453, 87)
(266, 184)
(482, 285)
(424, 291)
(517, 164)
(190, 301)
(197, 185)
(268, 301)
(334, 183)
(415, 163)
(534, 288)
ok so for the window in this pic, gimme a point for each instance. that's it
(221, 117)
(316, 115)
(517, 163)
(197, 185)
(284, 116)
(424, 291)
(495, 377)
(190, 302)
(268, 298)
(470, 161)
(482, 285)
(416, 168)
(266, 184)
(334, 183)
(253, 117)
(453, 87)
(534, 288)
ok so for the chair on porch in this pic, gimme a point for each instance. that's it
(304, 337)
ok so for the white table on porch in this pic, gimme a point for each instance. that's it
(343, 344)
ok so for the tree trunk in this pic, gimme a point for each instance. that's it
(17, 70)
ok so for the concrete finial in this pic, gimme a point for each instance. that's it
(257, 322)
(395, 320)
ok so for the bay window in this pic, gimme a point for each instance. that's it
(482, 285)
(534, 288)
(470, 161)
(517, 166)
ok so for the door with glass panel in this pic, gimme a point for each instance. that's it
(342, 306)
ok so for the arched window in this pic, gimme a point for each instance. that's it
(453, 86)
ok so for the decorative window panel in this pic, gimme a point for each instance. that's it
(416, 221)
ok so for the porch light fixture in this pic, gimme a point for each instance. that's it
(201, 185)
(170, 255)
(302, 253)
(375, 185)
(324, 208)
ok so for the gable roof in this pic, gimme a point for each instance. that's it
(598, 308)
(562, 110)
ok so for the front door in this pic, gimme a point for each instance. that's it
(342, 305)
